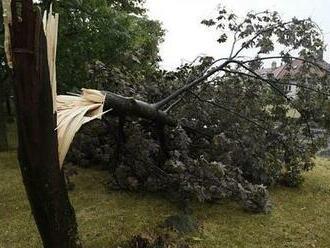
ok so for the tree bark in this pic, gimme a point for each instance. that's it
(8, 93)
(130, 107)
(3, 118)
(37, 152)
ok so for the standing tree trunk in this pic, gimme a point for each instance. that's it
(38, 149)
(3, 118)
(8, 92)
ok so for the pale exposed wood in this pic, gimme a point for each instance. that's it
(72, 113)
(7, 20)
(50, 23)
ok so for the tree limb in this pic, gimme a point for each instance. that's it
(190, 85)
(132, 107)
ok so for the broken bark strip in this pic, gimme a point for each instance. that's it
(37, 152)
(131, 107)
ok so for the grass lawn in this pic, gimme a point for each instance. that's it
(301, 217)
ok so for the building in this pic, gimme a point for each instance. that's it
(291, 71)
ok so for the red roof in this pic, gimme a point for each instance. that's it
(292, 69)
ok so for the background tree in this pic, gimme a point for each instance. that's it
(98, 34)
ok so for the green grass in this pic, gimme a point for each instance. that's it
(300, 218)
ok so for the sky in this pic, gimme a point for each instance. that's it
(186, 38)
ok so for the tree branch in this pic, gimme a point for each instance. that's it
(245, 45)
(190, 85)
(290, 57)
(132, 107)
(276, 81)
(263, 79)
(282, 94)
(228, 110)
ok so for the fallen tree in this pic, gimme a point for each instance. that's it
(223, 133)
(226, 129)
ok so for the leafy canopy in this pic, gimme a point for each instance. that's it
(95, 35)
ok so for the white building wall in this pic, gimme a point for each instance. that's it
(292, 90)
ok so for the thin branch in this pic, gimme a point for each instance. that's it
(190, 85)
(173, 105)
(290, 57)
(236, 33)
(276, 81)
(213, 63)
(245, 45)
(263, 79)
(228, 110)
(233, 46)
(302, 87)
(282, 94)
(197, 131)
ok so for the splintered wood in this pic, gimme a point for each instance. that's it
(7, 20)
(72, 111)
(50, 23)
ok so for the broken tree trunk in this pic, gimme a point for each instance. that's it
(3, 118)
(37, 153)
(128, 106)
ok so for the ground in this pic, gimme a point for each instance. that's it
(300, 218)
